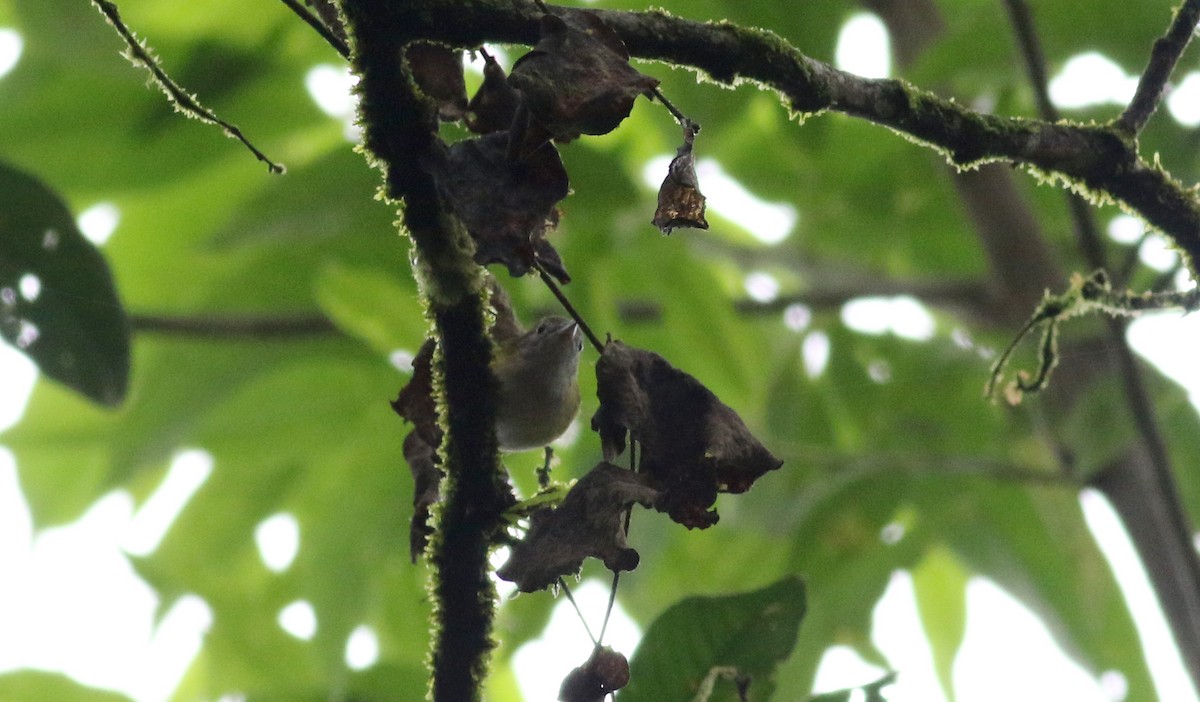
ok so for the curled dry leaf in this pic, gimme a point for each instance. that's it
(605, 672)
(693, 445)
(680, 202)
(507, 206)
(494, 105)
(427, 477)
(578, 80)
(415, 404)
(438, 72)
(589, 522)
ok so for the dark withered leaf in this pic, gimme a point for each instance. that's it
(422, 462)
(578, 80)
(589, 522)
(693, 445)
(605, 672)
(495, 103)
(507, 206)
(680, 202)
(438, 72)
(415, 404)
(415, 401)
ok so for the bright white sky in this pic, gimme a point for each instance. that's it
(70, 602)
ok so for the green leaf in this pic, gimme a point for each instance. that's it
(58, 302)
(750, 632)
(940, 585)
(31, 685)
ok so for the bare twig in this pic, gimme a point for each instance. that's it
(578, 612)
(140, 55)
(1178, 567)
(339, 44)
(1163, 58)
(558, 293)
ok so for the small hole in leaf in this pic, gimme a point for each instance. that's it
(98, 222)
(362, 648)
(815, 351)
(1114, 685)
(27, 334)
(31, 287)
(11, 46)
(401, 360)
(278, 539)
(797, 317)
(50, 239)
(761, 287)
(298, 619)
(891, 533)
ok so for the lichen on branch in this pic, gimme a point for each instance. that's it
(1099, 161)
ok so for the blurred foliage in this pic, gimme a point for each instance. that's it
(893, 460)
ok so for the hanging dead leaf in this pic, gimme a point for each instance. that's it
(427, 477)
(415, 404)
(693, 445)
(507, 206)
(680, 202)
(589, 522)
(605, 672)
(438, 72)
(495, 103)
(577, 79)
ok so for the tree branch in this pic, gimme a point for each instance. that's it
(338, 43)
(1099, 160)
(1163, 57)
(400, 133)
(1141, 488)
(230, 327)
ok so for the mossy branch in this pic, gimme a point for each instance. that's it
(400, 132)
(1099, 161)
(1093, 294)
(140, 55)
(1163, 57)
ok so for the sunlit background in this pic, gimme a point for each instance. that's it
(70, 602)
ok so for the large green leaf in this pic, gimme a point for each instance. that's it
(31, 685)
(748, 633)
(58, 302)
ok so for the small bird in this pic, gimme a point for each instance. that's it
(539, 384)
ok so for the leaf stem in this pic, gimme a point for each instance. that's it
(570, 598)
(558, 293)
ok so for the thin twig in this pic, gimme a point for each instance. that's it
(229, 327)
(315, 22)
(139, 55)
(558, 293)
(570, 598)
(616, 581)
(1164, 55)
(683, 119)
(1163, 58)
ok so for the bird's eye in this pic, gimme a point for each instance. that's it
(541, 328)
